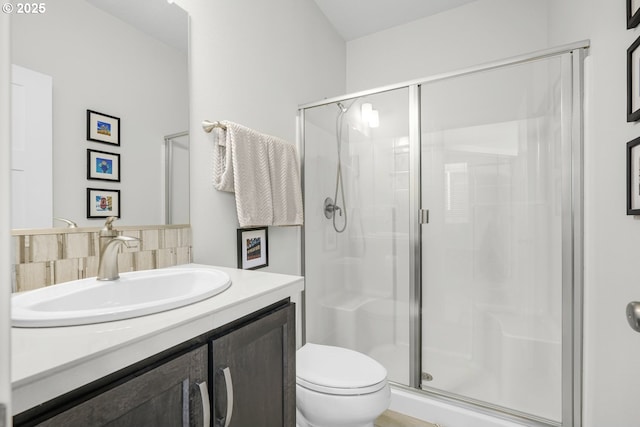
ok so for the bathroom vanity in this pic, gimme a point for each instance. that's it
(230, 356)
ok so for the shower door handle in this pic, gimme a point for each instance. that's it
(423, 216)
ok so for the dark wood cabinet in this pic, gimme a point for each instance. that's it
(168, 395)
(253, 373)
(242, 374)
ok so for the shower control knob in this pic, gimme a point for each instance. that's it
(633, 315)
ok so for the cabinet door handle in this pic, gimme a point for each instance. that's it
(206, 409)
(229, 386)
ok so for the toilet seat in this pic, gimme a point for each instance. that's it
(338, 371)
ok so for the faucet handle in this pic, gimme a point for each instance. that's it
(109, 221)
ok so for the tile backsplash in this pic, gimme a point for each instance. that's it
(45, 257)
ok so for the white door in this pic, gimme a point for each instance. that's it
(32, 149)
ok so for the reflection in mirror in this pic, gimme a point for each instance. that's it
(125, 60)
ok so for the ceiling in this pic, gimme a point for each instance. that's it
(358, 18)
(159, 19)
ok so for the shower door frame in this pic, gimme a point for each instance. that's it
(572, 104)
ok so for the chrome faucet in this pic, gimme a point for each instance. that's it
(108, 265)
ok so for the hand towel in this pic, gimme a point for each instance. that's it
(286, 193)
(263, 172)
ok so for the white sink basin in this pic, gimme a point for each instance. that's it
(134, 294)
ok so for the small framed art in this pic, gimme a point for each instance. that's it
(633, 81)
(633, 15)
(103, 128)
(252, 248)
(103, 166)
(633, 177)
(102, 203)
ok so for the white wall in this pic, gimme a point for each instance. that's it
(612, 349)
(5, 226)
(478, 32)
(101, 63)
(492, 29)
(253, 63)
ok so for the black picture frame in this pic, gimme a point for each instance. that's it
(633, 14)
(633, 81)
(103, 203)
(633, 177)
(103, 128)
(253, 248)
(103, 166)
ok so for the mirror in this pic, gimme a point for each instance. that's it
(127, 61)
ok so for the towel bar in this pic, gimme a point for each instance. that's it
(209, 126)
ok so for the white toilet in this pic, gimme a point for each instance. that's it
(338, 387)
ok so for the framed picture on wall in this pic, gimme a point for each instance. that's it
(633, 81)
(103, 166)
(102, 203)
(633, 177)
(633, 15)
(252, 248)
(103, 128)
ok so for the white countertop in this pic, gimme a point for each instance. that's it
(47, 362)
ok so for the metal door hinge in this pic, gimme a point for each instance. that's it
(423, 216)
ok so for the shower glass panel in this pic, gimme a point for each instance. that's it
(176, 169)
(356, 177)
(491, 178)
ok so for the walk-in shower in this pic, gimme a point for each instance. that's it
(459, 268)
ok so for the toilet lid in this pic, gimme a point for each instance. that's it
(338, 370)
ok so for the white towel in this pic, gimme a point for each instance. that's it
(263, 172)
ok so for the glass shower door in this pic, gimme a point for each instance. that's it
(492, 302)
(356, 180)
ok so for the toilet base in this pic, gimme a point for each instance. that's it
(322, 410)
(302, 422)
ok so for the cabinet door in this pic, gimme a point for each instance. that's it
(254, 373)
(167, 395)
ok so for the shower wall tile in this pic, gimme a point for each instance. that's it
(46, 257)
